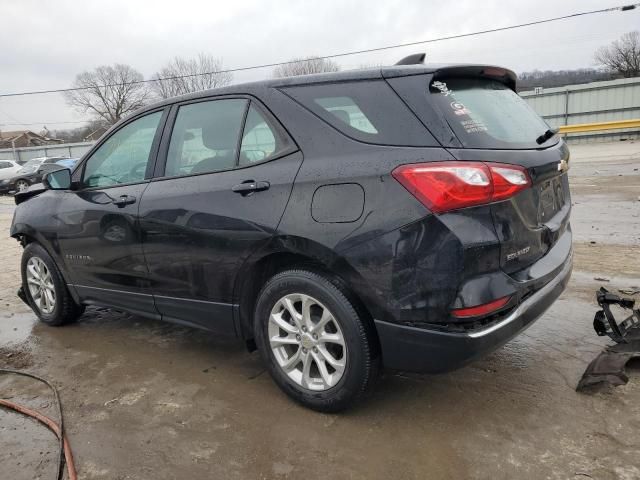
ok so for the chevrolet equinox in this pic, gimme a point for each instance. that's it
(414, 217)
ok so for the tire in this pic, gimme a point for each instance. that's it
(21, 185)
(40, 273)
(291, 344)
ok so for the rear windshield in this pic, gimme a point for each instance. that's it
(485, 113)
(368, 111)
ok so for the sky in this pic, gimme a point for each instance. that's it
(43, 45)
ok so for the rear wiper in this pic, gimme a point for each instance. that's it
(546, 135)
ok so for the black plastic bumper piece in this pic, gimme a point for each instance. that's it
(433, 351)
(22, 296)
(605, 323)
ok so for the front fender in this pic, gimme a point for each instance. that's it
(36, 220)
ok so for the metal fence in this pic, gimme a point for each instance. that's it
(23, 154)
(595, 102)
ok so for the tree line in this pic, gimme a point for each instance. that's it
(110, 93)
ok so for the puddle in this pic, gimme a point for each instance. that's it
(16, 329)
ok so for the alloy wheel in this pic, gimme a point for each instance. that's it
(21, 185)
(307, 342)
(40, 285)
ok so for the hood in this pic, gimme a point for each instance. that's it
(32, 191)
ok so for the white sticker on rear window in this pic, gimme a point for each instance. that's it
(459, 109)
(442, 86)
(473, 126)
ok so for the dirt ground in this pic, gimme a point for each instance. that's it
(147, 400)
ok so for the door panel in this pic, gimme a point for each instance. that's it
(197, 231)
(98, 231)
(100, 245)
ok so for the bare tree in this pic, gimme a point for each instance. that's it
(108, 92)
(305, 66)
(182, 76)
(79, 134)
(622, 56)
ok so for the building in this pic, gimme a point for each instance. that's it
(26, 138)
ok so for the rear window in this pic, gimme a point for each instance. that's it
(485, 113)
(368, 111)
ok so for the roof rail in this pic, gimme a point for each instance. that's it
(415, 59)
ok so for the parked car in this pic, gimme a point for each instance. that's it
(8, 168)
(69, 163)
(30, 173)
(56, 164)
(410, 217)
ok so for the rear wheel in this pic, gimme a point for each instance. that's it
(316, 346)
(45, 289)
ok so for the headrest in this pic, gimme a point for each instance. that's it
(220, 134)
(342, 115)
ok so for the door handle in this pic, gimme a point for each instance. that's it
(124, 200)
(250, 186)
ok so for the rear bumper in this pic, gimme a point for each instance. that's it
(432, 351)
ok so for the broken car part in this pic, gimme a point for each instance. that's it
(608, 367)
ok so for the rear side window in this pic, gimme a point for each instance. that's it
(205, 137)
(485, 113)
(368, 111)
(347, 111)
(260, 139)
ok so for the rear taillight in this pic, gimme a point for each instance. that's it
(445, 186)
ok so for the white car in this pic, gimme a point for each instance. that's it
(8, 169)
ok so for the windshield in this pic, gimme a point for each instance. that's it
(485, 113)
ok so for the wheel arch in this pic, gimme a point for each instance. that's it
(289, 253)
(25, 234)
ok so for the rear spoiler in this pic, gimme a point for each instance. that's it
(501, 74)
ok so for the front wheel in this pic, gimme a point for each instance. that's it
(45, 289)
(21, 185)
(317, 347)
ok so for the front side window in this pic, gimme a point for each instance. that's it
(205, 137)
(124, 156)
(5, 165)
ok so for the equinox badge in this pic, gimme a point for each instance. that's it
(519, 253)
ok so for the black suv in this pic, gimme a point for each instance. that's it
(413, 217)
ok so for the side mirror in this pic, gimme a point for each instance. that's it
(57, 180)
